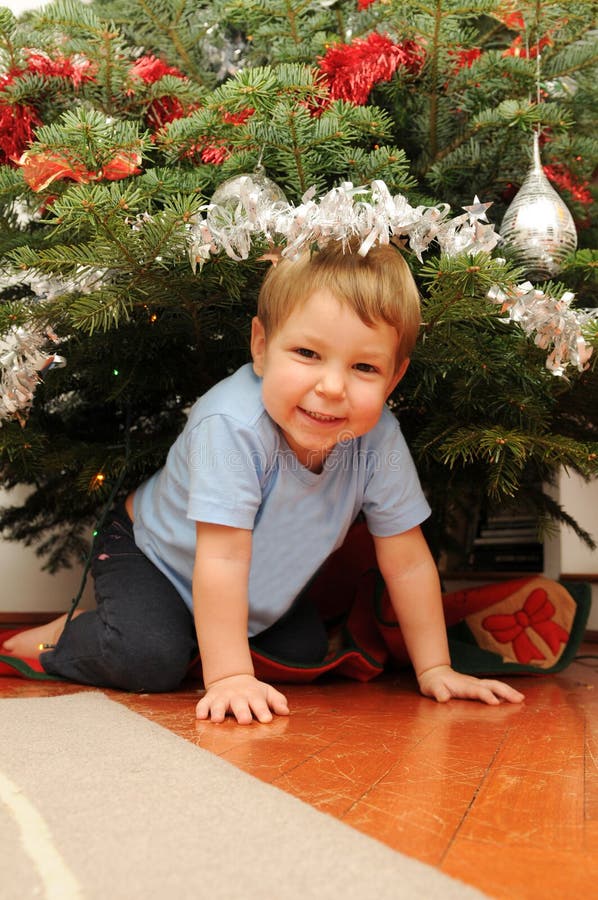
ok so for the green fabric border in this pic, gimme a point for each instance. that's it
(21, 666)
(348, 647)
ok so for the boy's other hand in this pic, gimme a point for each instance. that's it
(443, 683)
(244, 697)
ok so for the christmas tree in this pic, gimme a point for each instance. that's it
(129, 280)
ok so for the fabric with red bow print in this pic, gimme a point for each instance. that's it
(536, 615)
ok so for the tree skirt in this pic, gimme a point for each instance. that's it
(530, 625)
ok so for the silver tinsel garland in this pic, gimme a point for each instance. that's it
(25, 352)
(550, 322)
(24, 360)
(251, 208)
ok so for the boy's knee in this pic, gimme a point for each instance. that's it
(152, 666)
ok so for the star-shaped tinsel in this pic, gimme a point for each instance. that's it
(477, 210)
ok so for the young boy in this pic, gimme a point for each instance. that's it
(263, 484)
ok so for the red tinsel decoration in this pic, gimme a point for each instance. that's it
(511, 19)
(317, 105)
(238, 118)
(213, 151)
(163, 109)
(517, 48)
(563, 178)
(215, 154)
(77, 68)
(17, 124)
(353, 69)
(514, 20)
(18, 121)
(42, 169)
(150, 69)
(464, 59)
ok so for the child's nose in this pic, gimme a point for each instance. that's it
(331, 383)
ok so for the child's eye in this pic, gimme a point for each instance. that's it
(305, 352)
(365, 367)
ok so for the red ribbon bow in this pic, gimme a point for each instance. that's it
(536, 614)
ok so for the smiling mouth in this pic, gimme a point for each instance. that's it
(319, 417)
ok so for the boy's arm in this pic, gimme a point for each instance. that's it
(220, 587)
(411, 578)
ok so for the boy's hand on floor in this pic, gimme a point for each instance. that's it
(443, 683)
(244, 697)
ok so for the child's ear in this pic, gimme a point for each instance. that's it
(398, 375)
(258, 345)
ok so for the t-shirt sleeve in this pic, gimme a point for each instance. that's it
(394, 500)
(226, 463)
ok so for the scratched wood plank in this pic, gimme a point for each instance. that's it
(492, 796)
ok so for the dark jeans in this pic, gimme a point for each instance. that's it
(141, 636)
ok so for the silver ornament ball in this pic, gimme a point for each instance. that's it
(537, 226)
(237, 196)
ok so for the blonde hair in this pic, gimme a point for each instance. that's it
(376, 286)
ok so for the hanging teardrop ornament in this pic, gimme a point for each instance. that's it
(537, 226)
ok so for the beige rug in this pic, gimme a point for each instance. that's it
(98, 802)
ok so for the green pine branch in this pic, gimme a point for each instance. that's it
(507, 452)
(152, 335)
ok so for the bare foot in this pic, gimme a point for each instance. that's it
(29, 644)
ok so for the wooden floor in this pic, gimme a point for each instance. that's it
(504, 798)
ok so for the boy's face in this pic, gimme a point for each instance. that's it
(326, 375)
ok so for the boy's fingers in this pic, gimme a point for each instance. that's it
(507, 692)
(495, 691)
(489, 697)
(202, 710)
(258, 704)
(442, 694)
(439, 692)
(436, 688)
(218, 712)
(214, 710)
(261, 710)
(278, 702)
(469, 688)
(241, 710)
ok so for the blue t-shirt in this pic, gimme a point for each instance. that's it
(232, 466)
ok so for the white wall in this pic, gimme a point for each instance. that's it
(19, 6)
(24, 587)
(581, 501)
